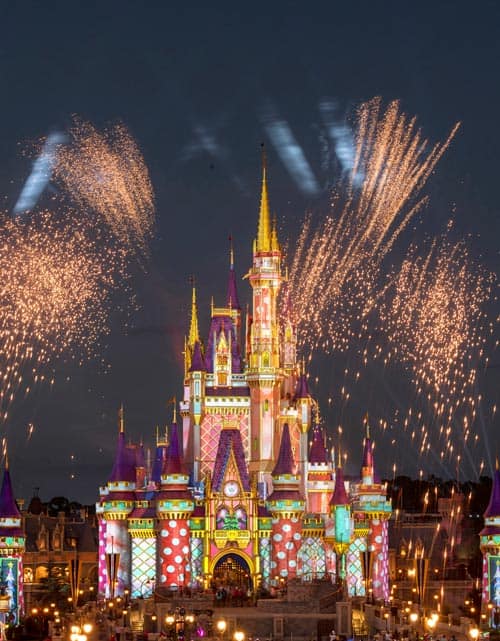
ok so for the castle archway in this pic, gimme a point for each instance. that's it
(232, 569)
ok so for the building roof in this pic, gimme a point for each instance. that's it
(493, 508)
(197, 362)
(285, 463)
(302, 388)
(83, 533)
(230, 440)
(318, 453)
(124, 465)
(161, 452)
(8, 505)
(173, 463)
(339, 496)
(367, 453)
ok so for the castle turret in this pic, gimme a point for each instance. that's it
(194, 413)
(117, 503)
(263, 368)
(12, 545)
(373, 511)
(340, 510)
(191, 404)
(174, 507)
(319, 475)
(286, 507)
(303, 402)
(367, 467)
(141, 527)
(490, 548)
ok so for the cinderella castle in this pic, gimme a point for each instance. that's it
(243, 490)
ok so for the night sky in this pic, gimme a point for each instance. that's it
(196, 84)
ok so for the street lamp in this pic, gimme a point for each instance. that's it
(179, 621)
(474, 633)
(413, 621)
(239, 635)
(221, 628)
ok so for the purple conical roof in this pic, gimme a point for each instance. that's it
(197, 362)
(339, 496)
(173, 464)
(318, 453)
(285, 463)
(230, 440)
(302, 389)
(158, 463)
(124, 466)
(140, 459)
(8, 505)
(367, 453)
(493, 508)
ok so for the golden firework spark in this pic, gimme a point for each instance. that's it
(341, 255)
(56, 282)
(105, 172)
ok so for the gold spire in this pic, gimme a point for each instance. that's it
(174, 403)
(367, 426)
(264, 241)
(194, 334)
(6, 453)
(231, 253)
(121, 422)
(274, 235)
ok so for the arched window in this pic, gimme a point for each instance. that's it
(220, 518)
(241, 516)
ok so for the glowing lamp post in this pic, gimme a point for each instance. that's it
(239, 635)
(221, 628)
(413, 621)
(474, 633)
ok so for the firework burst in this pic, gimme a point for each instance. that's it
(56, 284)
(342, 255)
(104, 172)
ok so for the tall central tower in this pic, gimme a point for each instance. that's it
(263, 366)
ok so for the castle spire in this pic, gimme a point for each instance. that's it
(339, 494)
(8, 505)
(121, 421)
(173, 464)
(318, 453)
(264, 242)
(232, 292)
(194, 334)
(124, 467)
(367, 465)
(285, 463)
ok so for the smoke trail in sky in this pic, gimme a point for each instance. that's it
(291, 153)
(342, 138)
(40, 174)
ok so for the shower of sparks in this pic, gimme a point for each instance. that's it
(435, 320)
(56, 282)
(342, 254)
(428, 316)
(105, 172)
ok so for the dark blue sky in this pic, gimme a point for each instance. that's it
(180, 73)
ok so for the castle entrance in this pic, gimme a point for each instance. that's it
(232, 571)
